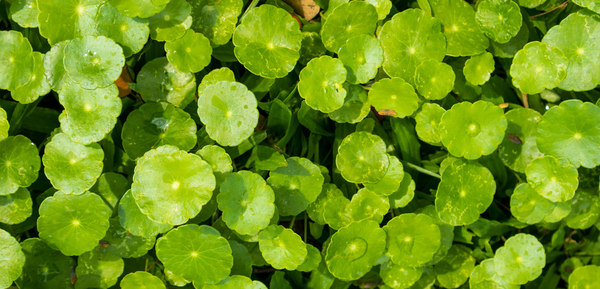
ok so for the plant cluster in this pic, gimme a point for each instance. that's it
(217, 144)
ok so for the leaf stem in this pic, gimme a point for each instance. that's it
(563, 5)
(305, 226)
(525, 100)
(421, 170)
(292, 222)
(151, 266)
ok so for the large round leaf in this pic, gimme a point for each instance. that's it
(141, 279)
(521, 259)
(500, 20)
(467, 190)
(395, 95)
(60, 20)
(553, 178)
(519, 147)
(460, 28)
(190, 53)
(101, 262)
(296, 185)
(354, 249)
(471, 130)
(130, 33)
(171, 186)
(528, 206)
(157, 124)
(216, 19)
(455, 268)
(197, 253)
(434, 79)
(347, 21)
(412, 239)
(37, 84)
(362, 56)
(19, 163)
(16, 207)
(16, 60)
(159, 80)
(44, 267)
(73, 223)
(72, 167)
(362, 158)
(89, 115)
(321, 84)
(172, 22)
(428, 122)
(584, 277)
(228, 111)
(484, 276)
(537, 67)
(576, 37)
(281, 247)
(93, 62)
(411, 37)
(132, 219)
(570, 131)
(267, 41)
(247, 202)
(12, 259)
(139, 8)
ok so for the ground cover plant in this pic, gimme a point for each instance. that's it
(327, 145)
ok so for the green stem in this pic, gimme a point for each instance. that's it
(19, 114)
(292, 222)
(305, 226)
(421, 170)
(289, 96)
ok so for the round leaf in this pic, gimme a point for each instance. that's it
(366, 204)
(37, 84)
(197, 253)
(16, 60)
(478, 68)
(398, 276)
(321, 84)
(317, 209)
(93, 62)
(434, 79)
(354, 249)
(471, 130)
(130, 33)
(101, 262)
(391, 181)
(585, 208)
(159, 81)
(405, 193)
(584, 277)
(347, 21)
(553, 178)
(528, 206)
(12, 259)
(67, 20)
(132, 219)
(141, 279)
(267, 41)
(362, 158)
(362, 56)
(428, 122)
(356, 105)
(236, 281)
(519, 147)
(157, 124)
(219, 161)
(44, 267)
(190, 53)
(216, 19)
(73, 223)
(171, 186)
(281, 247)
(125, 245)
(242, 260)
(412, 239)
(537, 67)
(484, 276)
(455, 269)
(312, 261)
(500, 20)
(521, 259)
(20, 164)
(172, 22)
(71, 167)
(394, 94)
(16, 207)
(466, 190)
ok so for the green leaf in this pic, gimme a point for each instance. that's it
(560, 212)
(519, 147)
(266, 158)
(216, 75)
(455, 269)
(471, 130)
(464, 38)
(312, 47)
(537, 67)
(391, 181)
(585, 207)
(123, 244)
(397, 276)
(575, 140)
(413, 239)
(13, 259)
(434, 79)
(410, 38)
(89, 115)
(101, 262)
(366, 204)
(181, 184)
(234, 282)
(592, 5)
(278, 281)
(354, 249)
(466, 190)
(362, 159)
(575, 36)
(130, 33)
(219, 161)
(321, 84)
(16, 207)
(362, 56)
(197, 253)
(584, 277)
(317, 209)
(478, 68)
(510, 48)
(247, 202)
(553, 178)
(484, 276)
(500, 20)
(428, 121)
(4, 124)
(404, 194)
(229, 112)
(267, 41)
(73, 224)
(37, 84)
(347, 21)
(93, 62)
(67, 20)
(54, 66)
(157, 124)
(383, 7)
(216, 19)
(139, 8)
(296, 185)
(159, 80)
(141, 279)
(242, 260)
(25, 13)
(134, 221)
(20, 164)
(190, 53)
(356, 105)
(394, 95)
(312, 261)
(446, 234)
(281, 247)
(44, 267)
(17, 60)
(528, 206)
(172, 22)
(71, 167)
(521, 259)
